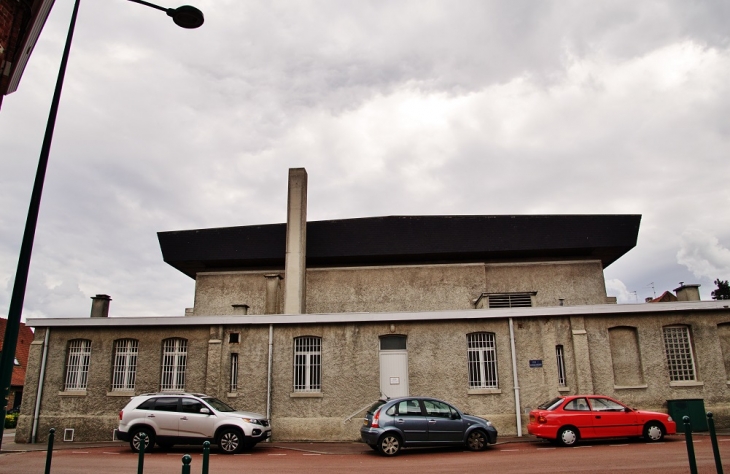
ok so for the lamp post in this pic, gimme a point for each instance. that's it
(185, 17)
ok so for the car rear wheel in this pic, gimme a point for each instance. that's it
(135, 441)
(653, 432)
(230, 441)
(389, 445)
(568, 436)
(476, 441)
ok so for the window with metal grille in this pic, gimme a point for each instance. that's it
(77, 367)
(678, 348)
(482, 356)
(560, 356)
(307, 364)
(174, 358)
(510, 300)
(125, 364)
(234, 372)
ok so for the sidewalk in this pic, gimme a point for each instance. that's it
(351, 447)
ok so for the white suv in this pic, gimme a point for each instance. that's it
(189, 418)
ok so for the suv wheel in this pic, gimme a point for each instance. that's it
(136, 439)
(230, 441)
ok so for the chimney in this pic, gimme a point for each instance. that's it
(100, 306)
(295, 264)
(688, 292)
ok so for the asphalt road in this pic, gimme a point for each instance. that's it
(518, 457)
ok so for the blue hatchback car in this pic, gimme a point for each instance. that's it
(419, 421)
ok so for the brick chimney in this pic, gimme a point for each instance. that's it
(100, 306)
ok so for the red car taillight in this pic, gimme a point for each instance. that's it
(121, 414)
(541, 419)
(376, 417)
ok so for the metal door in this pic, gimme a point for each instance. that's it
(394, 373)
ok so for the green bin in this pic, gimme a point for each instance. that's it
(694, 408)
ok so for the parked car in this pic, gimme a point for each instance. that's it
(565, 420)
(189, 418)
(390, 425)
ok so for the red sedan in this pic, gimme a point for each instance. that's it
(565, 420)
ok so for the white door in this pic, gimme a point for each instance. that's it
(394, 373)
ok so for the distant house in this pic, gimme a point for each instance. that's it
(25, 337)
(21, 22)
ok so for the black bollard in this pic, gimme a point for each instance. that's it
(186, 464)
(49, 454)
(140, 463)
(690, 445)
(206, 455)
(715, 447)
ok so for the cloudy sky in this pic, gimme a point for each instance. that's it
(393, 107)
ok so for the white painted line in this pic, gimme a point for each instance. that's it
(246, 454)
(277, 454)
(725, 440)
(79, 452)
(618, 444)
(580, 447)
(104, 452)
(509, 450)
(543, 449)
(311, 454)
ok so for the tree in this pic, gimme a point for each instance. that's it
(722, 292)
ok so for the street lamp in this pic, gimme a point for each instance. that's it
(185, 17)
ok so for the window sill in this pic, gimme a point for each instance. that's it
(484, 391)
(120, 393)
(629, 387)
(306, 395)
(686, 383)
(563, 389)
(72, 393)
(232, 394)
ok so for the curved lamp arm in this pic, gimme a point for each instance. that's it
(184, 16)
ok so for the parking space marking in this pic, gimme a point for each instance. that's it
(543, 449)
(580, 447)
(311, 454)
(276, 454)
(509, 449)
(79, 452)
(107, 452)
(618, 445)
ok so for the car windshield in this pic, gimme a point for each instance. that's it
(217, 404)
(375, 406)
(552, 404)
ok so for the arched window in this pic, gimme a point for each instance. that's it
(77, 365)
(680, 357)
(124, 371)
(307, 364)
(174, 359)
(482, 359)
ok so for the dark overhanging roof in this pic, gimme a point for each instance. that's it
(406, 240)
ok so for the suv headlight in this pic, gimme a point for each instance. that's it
(252, 421)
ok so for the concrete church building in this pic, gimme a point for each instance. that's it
(311, 322)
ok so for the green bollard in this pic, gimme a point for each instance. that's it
(186, 464)
(690, 445)
(206, 455)
(715, 447)
(140, 463)
(49, 454)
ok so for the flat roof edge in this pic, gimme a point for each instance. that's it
(345, 318)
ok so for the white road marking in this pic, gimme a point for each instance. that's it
(509, 449)
(311, 454)
(79, 452)
(618, 444)
(580, 447)
(277, 454)
(105, 452)
(543, 449)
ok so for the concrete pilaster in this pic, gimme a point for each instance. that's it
(272, 293)
(295, 267)
(213, 381)
(584, 375)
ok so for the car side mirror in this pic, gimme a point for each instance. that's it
(628, 410)
(205, 411)
(455, 416)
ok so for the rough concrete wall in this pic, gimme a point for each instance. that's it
(578, 283)
(626, 357)
(215, 293)
(723, 333)
(397, 288)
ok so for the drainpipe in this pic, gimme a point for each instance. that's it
(39, 394)
(268, 377)
(518, 409)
